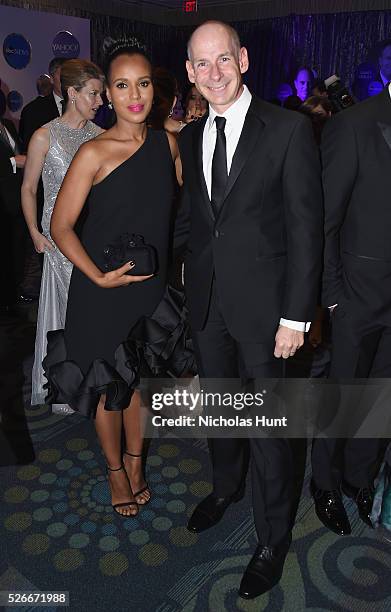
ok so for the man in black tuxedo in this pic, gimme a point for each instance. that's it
(14, 230)
(356, 157)
(42, 109)
(252, 217)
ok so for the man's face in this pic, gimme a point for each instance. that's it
(216, 66)
(56, 77)
(385, 62)
(303, 84)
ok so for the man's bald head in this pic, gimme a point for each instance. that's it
(212, 26)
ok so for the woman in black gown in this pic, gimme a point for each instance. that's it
(125, 179)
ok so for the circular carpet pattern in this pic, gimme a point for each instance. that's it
(62, 507)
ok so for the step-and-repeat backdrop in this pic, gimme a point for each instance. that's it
(29, 40)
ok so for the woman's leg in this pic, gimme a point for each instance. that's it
(133, 460)
(108, 427)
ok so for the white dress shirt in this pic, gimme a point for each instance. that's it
(12, 143)
(235, 116)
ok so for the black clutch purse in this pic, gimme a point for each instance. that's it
(131, 247)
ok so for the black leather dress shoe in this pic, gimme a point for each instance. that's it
(264, 570)
(363, 498)
(210, 511)
(330, 510)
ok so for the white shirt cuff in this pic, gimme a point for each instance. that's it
(13, 162)
(297, 325)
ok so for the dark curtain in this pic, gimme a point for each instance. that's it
(329, 43)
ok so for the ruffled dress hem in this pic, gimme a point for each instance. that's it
(157, 346)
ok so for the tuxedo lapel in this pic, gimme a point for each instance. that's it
(53, 103)
(386, 131)
(5, 140)
(383, 115)
(250, 133)
(248, 138)
(383, 111)
(197, 151)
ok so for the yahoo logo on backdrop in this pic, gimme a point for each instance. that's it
(65, 45)
(16, 51)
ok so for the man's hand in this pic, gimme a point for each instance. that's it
(287, 342)
(20, 161)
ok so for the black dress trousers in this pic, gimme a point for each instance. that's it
(360, 349)
(219, 355)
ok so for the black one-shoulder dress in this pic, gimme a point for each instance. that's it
(95, 354)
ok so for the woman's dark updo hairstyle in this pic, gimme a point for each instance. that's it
(121, 46)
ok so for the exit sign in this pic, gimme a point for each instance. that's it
(190, 6)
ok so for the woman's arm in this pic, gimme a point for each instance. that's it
(38, 148)
(69, 204)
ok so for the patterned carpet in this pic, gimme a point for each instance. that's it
(58, 531)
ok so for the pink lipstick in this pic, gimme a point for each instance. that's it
(136, 108)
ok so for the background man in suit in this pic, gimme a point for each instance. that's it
(356, 160)
(42, 109)
(14, 231)
(303, 83)
(39, 111)
(252, 217)
(44, 85)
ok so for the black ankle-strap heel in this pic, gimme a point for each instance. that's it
(146, 488)
(122, 504)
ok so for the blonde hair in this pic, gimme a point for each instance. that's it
(75, 73)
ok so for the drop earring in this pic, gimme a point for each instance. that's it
(110, 105)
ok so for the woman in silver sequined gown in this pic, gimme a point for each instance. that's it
(51, 151)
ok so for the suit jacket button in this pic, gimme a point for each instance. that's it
(217, 233)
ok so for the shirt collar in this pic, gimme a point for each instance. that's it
(238, 108)
(57, 98)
